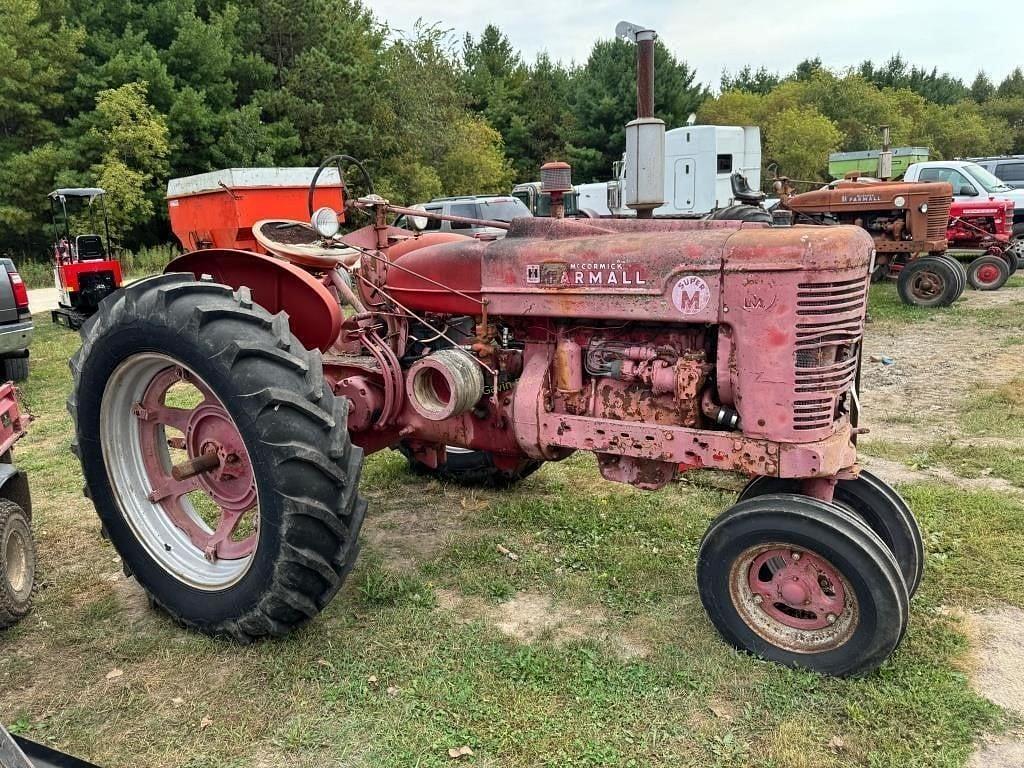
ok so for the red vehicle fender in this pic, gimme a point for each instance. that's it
(277, 286)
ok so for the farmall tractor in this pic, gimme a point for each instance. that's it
(223, 409)
(983, 232)
(907, 222)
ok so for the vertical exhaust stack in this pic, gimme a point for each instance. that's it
(556, 180)
(645, 136)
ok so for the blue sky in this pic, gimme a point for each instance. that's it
(957, 37)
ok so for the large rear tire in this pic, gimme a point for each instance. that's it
(176, 377)
(741, 212)
(802, 583)
(17, 564)
(472, 468)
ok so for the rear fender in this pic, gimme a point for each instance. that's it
(14, 486)
(277, 286)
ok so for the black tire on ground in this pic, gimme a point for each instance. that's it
(472, 468)
(868, 630)
(961, 270)
(876, 503)
(15, 368)
(17, 564)
(741, 212)
(988, 273)
(929, 281)
(294, 430)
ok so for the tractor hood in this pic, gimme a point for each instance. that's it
(655, 270)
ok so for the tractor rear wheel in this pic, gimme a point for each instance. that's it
(218, 461)
(17, 563)
(803, 583)
(988, 273)
(472, 468)
(929, 281)
(876, 503)
(741, 212)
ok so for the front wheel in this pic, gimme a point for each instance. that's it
(929, 281)
(218, 462)
(988, 273)
(17, 563)
(803, 583)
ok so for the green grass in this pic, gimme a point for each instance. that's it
(409, 660)
(885, 307)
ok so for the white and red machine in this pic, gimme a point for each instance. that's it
(85, 269)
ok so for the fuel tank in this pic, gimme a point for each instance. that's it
(658, 270)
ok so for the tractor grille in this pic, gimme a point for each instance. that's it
(829, 328)
(938, 217)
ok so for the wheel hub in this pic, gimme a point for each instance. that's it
(927, 285)
(793, 597)
(988, 274)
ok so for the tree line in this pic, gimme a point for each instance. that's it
(126, 94)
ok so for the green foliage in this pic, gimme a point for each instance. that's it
(800, 140)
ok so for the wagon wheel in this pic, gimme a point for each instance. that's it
(876, 503)
(217, 460)
(802, 583)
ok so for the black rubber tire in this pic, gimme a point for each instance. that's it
(15, 538)
(876, 503)
(472, 468)
(961, 270)
(997, 263)
(941, 271)
(294, 429)
(832, 533)
(16, 368)
(741, 212)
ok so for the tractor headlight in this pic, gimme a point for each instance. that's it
(899, 201)
(923, 208)
(325, 222)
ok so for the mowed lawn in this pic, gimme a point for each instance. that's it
(554, 625)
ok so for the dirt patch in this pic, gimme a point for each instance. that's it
(997, 673)
(531, 617)
(895, 472)
(934, 368)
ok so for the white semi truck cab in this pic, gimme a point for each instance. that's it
(699, 163)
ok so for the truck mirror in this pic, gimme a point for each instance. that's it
(967, 191)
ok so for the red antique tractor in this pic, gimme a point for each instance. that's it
(981, 232)
(222, 410)
(85, 269)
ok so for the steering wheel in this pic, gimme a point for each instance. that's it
(337, 161)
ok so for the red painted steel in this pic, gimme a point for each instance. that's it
(275, 285)
(71, 272)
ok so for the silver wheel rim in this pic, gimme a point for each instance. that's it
(120, 443)
(16, 563)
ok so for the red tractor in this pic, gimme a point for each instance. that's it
(85, 269)
(222, 410)
(983, 231)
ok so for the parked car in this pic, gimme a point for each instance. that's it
(491, 207)
(1009, 168)
(15, 324)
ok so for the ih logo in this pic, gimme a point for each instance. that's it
(691, 295)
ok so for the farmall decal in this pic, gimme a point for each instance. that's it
(691, 295)
(861, 198)
(561, 274)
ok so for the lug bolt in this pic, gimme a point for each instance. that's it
(831, 618)
(796, 556)
(758, 599)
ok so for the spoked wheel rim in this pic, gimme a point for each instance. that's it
(926, 285)
(793, 598)
(180, 471)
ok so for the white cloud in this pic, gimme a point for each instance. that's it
(710, 36)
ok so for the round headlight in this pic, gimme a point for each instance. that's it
(923, 208)
(900, 201)
(325, 222)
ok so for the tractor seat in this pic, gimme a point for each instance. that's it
(295, 241)
(89, 248)
(743, 193)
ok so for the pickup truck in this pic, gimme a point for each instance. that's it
(15, 324)
(972, 182)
